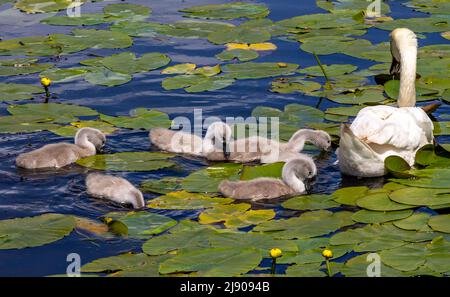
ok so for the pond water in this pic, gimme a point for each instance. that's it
(24, 194)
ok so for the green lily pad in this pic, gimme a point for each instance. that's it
(70, 131)
(344, 111)
(227, 11)
(376, 217)
(192, 28)
(235, 215)
(102, 38)
(25, 124)
(228, 261)
(421, 196)
(309, 224)
(86, 19)
(306, 270)
(252, 70)
(357, 267)
(125, 264)
(186, 200)
(141, 224)
(105, 77)
(207, 180)
(331, 70)
(441, 128)
(310, 202)
(185, 68)
(21, 66)
(64, 74)
(350, 195)
(137, 28)
(41, 6)
(161, 186)
(15, 92)
(240, 54)
(440, 223)
(196, 83)
(426, 25)
(416, 222)
(128, 161)
(367, 94)
(288, 85)
(127, 11)
(60, 113)
(397, 166)
(267, 170)
(380, 202)
(140, 118)
(391, 88)
(34, 231)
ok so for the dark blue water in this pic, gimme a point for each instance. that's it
(26, 194)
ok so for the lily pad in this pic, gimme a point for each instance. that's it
(162, 186)
(421, 196)
(239, 34)
(426, 25)
(228, 261)
(227, 11)
(252, 70)
(15, 92)
(105, 77)
(267, 170)
(235, 215)
(416, 222)
(34, 231)
(128, 161)
(349, 195)
(239, 54)
(41, 6)
(186, 200)
(140, 118)
(64, 74)
(21, 66)
(440, 223)
(397, 166)
(141, 224)
(70, 131)
(331, 70)
(311, 202)
(25, 124)
(207, 180)
(60, 113)
(196, 83)
(376, 217)
(380, 202)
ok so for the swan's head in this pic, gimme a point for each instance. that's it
(322, 140)
(217, 138)
(92, 135)
(403, 41)
(303, 169)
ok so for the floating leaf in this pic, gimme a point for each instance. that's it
(207, 180)
(397, 166)
(427, 25)
(128, 161)
(15, 92)
(267, 170)
(161, 186)
(331, 70)
(421, 196)
(196, 83)
(349, 195)
(416, 222)
(25, 124)
(440, 223)
(380, 202)
(235, 215)
(310, 202)
(63, 74)
(127, 63)
(192, 28)
(228, 261)
(127, 11)
(141, 224)
(34, 231)
(141, 118)
(240, 54)
(180, 69)
(86, 19)
(70, 131)
(105, 77)
(186, 200)
(239, 35)
(21, 66)
(41, 6)
(227, 11)
(60, 113)
(376, 217)
(258, 70)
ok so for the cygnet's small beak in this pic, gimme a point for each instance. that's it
(225, 148)
(309, 182)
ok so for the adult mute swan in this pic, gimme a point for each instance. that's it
(114, 188)
(216, 139)
(295, 180)
(87, 142)
(380, 131)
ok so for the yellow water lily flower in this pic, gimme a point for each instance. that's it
(275, 253)
(327, 254)
(108, 220)
(282, 65)
(45, 81)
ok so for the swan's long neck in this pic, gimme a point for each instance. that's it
(82, 140)
(408, 59)
(297, 141)
(290, 178)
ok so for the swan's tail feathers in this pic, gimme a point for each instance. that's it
(356, 157)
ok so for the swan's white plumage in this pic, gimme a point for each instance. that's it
(380, 131)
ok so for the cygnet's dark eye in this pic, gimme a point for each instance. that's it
(309, 173)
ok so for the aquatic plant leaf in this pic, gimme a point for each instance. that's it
(311, 202)
(345, 111)
(196, 83)
(59, 112)
(25, 124)
(376, 217)
(16, 92)
(397, 166)
(416, 222)
(185, 68)
(306, 270)
(192, 28)
(34, 231)
(235, 215)
(207, 180)
(63, 74)
(440, 223)
(252, 70)
(331, 70)
(349, 195)
(288, 85)
(227, 11)
(127, 63)
(227, 261)
(41, 6)
(421, 196)
(309, 224)
(366, 94)
(103, 38)
(267, 170)
(70, 131)
(426, 25)
(128, 161)
(140, 118)
(380, 202)
(137, 28)
(105, 77)
(161, 186)
(21, 66)
(186, 200)
(134, 12)
(357, 267)
(239, 35)
(141, 224)
(86, 19)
